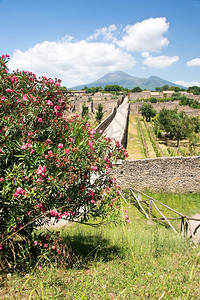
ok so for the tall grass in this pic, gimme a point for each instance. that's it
(140, 260)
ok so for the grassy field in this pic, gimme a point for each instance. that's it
(134, 144)
(139, 260)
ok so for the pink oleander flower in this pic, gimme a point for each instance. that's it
(49, 103)
(9, 90)
(48, 140)
(100, 131)
(40, 120)
(60, 146)
(29, 145)
(32, 151)
(41, 170)
(45, 245)
(66, 213)
(39, 180)
(1, 179)
(53, 247)
(58, 251)
(1, 151)
(66, 151)
(5, 55)
(35, 243)
(70, 140)
(50, 81)
(50, 153)
(1, 246)
(18, 192)
(25, 97)
(23, 147)
(3, 98)
(94, 168)
(93, 132)
(126, 154)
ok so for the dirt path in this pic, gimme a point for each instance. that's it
(116, 128)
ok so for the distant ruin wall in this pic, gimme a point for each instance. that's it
(125, 131)
(168, 105)
(169, 174)
(104, 124)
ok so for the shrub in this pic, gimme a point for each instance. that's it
(50, 166)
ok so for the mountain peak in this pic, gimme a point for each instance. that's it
(127, 81)
(116, 74)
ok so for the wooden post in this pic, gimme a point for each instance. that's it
(150, 209)
(138, 201)
(182, 226)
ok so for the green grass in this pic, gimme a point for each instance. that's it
(140, 260)
(134, 143)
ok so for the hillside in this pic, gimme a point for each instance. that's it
(127, 81)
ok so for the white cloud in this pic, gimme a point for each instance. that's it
(105, 32)
(160, 61)
(65, 39)
(187, 83)
(146, 36)
(194, 62)
(73, 62)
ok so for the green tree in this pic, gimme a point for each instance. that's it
(114, 87)
(99, 113)
(175, 123)
(148, 111)
(194, 89)
(85, 110)
(165, 87)
(137, 89)
(158, 89)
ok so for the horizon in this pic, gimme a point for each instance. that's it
(109, 73)
(81, 42)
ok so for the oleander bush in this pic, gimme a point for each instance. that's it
(50, 165)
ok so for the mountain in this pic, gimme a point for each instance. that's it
(128, 81)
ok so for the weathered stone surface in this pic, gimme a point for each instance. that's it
(169, 174)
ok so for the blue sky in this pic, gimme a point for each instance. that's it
(80, 41)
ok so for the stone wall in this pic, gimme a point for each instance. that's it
(169, 174)
(125, 131)
(104, 124)
(168, 105)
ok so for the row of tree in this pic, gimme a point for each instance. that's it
(177, 125)
(117, 88)
(99, 113)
